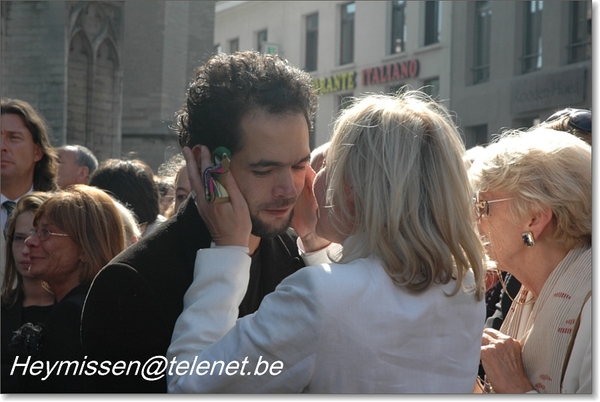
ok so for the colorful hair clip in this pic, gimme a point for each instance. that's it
(214, 191)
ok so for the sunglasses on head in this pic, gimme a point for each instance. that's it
(580, 119)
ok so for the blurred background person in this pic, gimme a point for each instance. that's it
(166, 193)
(28, 161)
(575, 121)
(534, 204)
(130, 224)
(183, 188)
(172, 170)
(132, 183)
(76, 232)
(25, 299)
(75, 165)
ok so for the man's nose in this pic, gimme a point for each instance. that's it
(285, 186)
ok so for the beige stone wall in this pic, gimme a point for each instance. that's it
(105, 74)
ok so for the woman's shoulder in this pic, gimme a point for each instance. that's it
(342, 271)
(336, 280)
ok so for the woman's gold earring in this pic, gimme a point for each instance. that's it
(528, 239)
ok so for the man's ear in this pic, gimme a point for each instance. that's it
(38, 154)
(83, 174)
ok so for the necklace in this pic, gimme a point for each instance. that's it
(508, 294)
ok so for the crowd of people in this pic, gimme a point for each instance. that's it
(388, 260)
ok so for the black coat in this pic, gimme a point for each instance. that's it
(13, 317)
(61, 343)
(134, 302)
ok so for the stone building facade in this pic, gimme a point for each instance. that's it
(165, 41)
(517, 62)
(106, 74)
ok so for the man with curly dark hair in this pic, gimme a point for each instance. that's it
(261, 109)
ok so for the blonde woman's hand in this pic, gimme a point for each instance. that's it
(305, 219)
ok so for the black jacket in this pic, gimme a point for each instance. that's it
(13, 317)
(134, 302)
(60, 343)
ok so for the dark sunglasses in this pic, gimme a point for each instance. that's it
(580, 119)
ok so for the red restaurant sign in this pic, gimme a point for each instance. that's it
(390, 72)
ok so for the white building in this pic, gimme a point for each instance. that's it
(481, 58)
(346, 46)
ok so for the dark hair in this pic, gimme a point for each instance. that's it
(574, 121)
(132, 183)
(44, 174)
(164, 185)
(229, 86)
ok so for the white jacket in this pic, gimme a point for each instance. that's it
(329, 328)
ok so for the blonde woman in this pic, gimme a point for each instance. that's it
(401, 309)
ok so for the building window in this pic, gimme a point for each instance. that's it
(476, 135)
(433, 22)
(312, 42)
(234, 45)
(398, 27)
(261, 38)
(580, 31)
(483, 32)
(217, 49)
(432, 87)
(347, 37)
(532, 55)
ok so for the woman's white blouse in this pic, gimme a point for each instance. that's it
(329, 328)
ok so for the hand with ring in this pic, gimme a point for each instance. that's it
(228, 222)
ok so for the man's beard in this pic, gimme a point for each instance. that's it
(263, 230)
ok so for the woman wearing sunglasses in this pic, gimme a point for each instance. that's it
(76, 232)
(534, 204)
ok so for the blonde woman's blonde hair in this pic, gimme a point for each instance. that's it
(402, 156)
(541, 168)
(91, 219)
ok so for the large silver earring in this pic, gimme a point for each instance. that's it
(528, 239)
